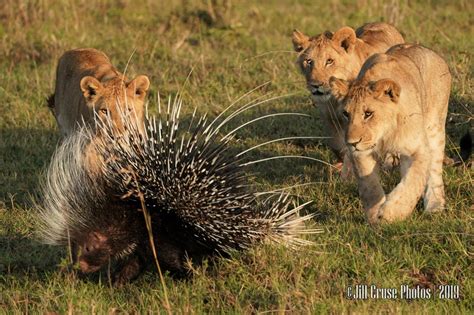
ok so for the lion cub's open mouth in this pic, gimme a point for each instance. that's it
(354, 149)
(318, 91)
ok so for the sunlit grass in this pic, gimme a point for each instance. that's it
(231, 52)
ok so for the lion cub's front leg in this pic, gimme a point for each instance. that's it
(402, 200)
(370, 190)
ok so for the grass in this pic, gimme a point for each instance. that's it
(231, 48)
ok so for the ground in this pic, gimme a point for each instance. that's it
(231, 48)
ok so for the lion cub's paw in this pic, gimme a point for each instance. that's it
(435, 207)
(390, 162)
(387, 213)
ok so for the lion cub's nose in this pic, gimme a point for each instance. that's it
(316, 84)
(352, 143)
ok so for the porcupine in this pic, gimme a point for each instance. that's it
(194, 190)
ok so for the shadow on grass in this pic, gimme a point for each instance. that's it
(21, 254)
(24, 154)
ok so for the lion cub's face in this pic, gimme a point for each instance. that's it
(369, 109)
(324, 56)
(115, 98)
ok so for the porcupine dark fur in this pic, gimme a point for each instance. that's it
(81, 210)
(195, 191)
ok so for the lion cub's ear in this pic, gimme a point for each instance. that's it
(339, 87)
(386, 88)
(90, 87)
(345, 37)
(300, 41)
(139, 86)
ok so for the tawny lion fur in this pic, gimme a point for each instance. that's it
(398, 104)
(341, 55)
(87, 83)
(88, 86)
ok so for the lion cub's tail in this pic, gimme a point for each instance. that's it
(50, 101)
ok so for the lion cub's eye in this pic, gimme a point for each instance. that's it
(103, 111)
(309, 62)
(346, 114)
(329, 62)
(367, 114)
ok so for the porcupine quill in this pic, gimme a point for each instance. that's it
(194, 189)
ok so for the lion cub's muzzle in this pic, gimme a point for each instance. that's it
(357, 145)
(318, 89)
(352, 144)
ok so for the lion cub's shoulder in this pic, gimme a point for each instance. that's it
(378, 37)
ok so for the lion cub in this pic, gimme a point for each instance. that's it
(398, 104)
(87, 83)
(340, 54)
